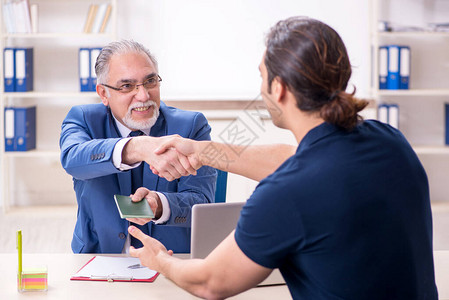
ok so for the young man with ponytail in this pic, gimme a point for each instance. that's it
(345, 215)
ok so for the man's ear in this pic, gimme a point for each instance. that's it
(101, 91)
(278, 89)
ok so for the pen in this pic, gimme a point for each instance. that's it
(136, 266)
(19, 254)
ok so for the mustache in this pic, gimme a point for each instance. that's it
(148, 103)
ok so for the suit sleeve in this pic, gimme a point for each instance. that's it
(193, 189)
(82, 155)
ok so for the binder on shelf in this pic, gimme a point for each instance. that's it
(94, 52)
(393, 115)
(20, 128)
(404, 67)
(9, 70)
(34, 14)
(84, 69)
(383, 67)
(20, 15)
(24, 69)
(9, 129)
(393, 67)
(382, 113)
(8, 17)
(388, 114)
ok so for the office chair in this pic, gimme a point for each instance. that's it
(220, 191)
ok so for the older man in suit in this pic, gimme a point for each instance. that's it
(108, 149)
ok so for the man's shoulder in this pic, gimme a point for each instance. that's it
(91, 108)
(176, 114)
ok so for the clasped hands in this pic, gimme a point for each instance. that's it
(170, 157)
(174, 157)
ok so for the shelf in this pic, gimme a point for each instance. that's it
(33, 153)
(51, 95)
(57, 35)
(412, 92)
(418, 34)
(443, 150)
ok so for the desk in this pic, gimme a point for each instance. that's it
(60, 287)
(62, 266)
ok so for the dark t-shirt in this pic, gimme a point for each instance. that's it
(347, 217)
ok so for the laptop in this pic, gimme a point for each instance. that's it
(211, 224)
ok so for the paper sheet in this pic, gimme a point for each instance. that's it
(115, 267)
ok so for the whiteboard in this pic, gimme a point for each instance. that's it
(209, 50)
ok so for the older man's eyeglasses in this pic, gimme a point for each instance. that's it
(148, 84)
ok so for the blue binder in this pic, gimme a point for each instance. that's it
(393, 115)
(24, 69)
(94, 52)
(25, 128)
(84, 69)
(393, 67)
(404, 67)
(382, 113)
(9, 70)
(383, 67)
(9, 129)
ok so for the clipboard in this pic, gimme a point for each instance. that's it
(115, 269)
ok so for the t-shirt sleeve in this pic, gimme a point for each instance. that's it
(270, 224)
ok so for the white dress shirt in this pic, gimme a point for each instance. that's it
(117, 161)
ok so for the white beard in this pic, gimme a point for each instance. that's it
(141, 125)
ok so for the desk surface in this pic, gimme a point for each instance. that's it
(62, 266)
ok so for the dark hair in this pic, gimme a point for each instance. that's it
(311, 60)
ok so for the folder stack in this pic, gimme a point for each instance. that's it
(88, 77)
(18, 69)
(20, 128)
(388, 114)
(394, 67)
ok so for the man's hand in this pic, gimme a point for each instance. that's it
(154, 201)
(188, 148)
(169, 164)
(149, 253)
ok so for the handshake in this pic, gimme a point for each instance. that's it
(173, 156)
(170, 157)
(177, 157)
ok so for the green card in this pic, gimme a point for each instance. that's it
(129, 209)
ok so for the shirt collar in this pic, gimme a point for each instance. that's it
(316, 134)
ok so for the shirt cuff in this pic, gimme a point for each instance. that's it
(165, 210)
(117, 156)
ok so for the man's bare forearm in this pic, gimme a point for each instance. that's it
(255, 162)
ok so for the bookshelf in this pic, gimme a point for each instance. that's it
(35, 178)
(421, 107)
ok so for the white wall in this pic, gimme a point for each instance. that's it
(206, 50)
(211, 49)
